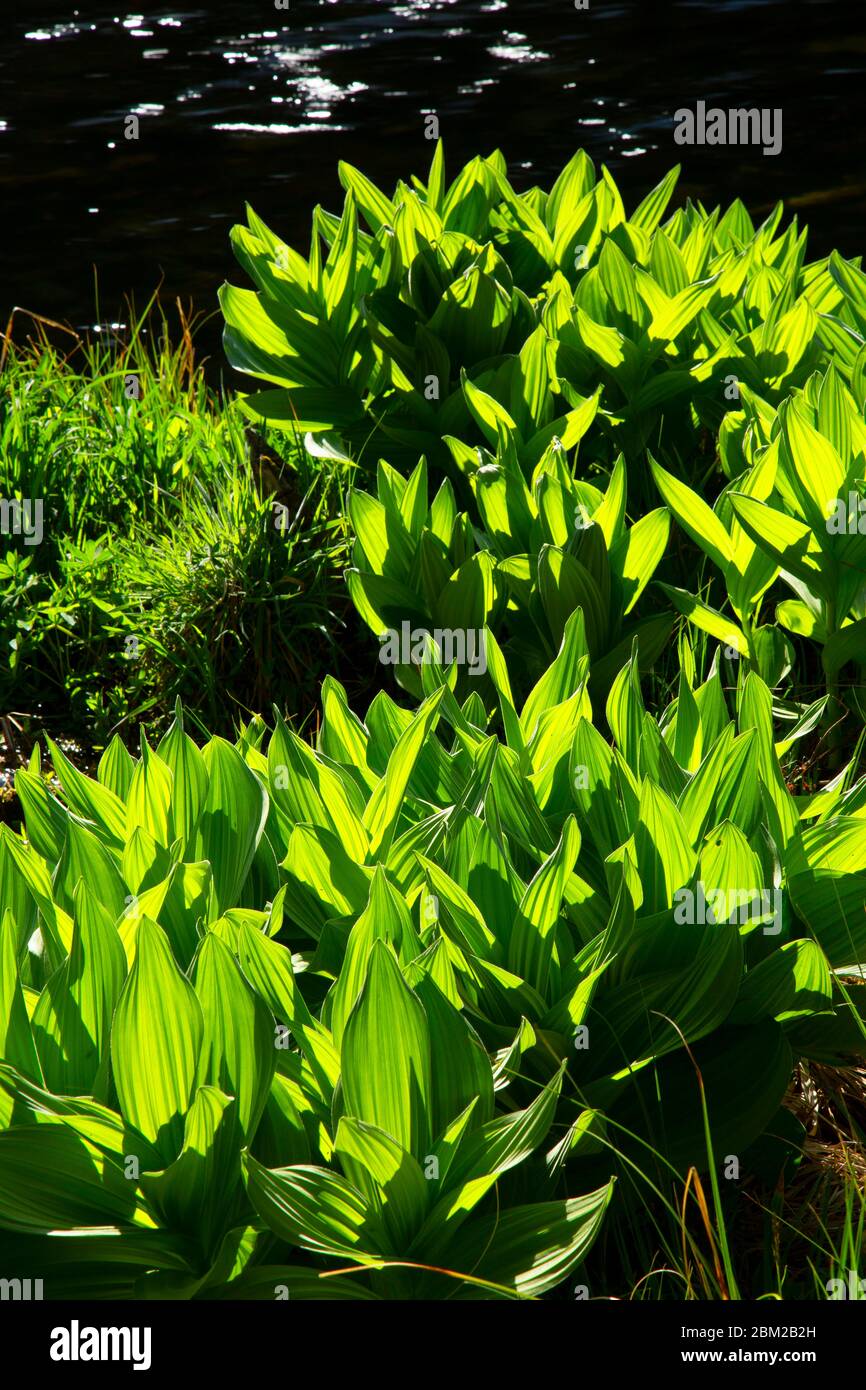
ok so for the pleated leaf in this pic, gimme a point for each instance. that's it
(85, 857)
(195, 1194)
(268, 967)
(386, 1056)
(238, 1053)
(72, 1019)
(53, 1180)
(315, 1209)
(90, 800)
(149, 798)
(793, 982)
(189, 781)
(16, 1039)
(533, 1248)
(232, 821)
(389, 1177)
(156, 1042)
(665, 859)
(531, 947)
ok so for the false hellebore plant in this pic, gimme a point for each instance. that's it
(377, 1018)
(404, 299)
(545, 547)
(795, 509)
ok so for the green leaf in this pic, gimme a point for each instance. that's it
(830, 903)
(115, 767)
(53, 1180)
(737, 1114)
(561, 679)
(665, 858)
(378, 210)
(16, 1038)
(238, 1053)
(150, 795)
(649, 212)
(268, 967)
(72, 1020)
(316, 1210)
(385, 918)
(791, 543)
(793, 982)
(389, 1177)
(708, 619)
(386, 1056)
(633, 559)
(90, 800)
(531, 1249)
(818, 472)
(385, 805)
(189, 781)
(532, 942)
(44, 816)
(848, 643)
(195, 1193)
(84, 856)
(156, 1042)
(694, 516)
(460, 1070)
(232, 820)
(506, 1141)
(305, 788)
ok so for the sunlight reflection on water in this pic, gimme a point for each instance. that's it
(237, 103)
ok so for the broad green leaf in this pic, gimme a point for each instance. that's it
(386, 1056)
(315, 1209)
(72, 1021)
(238, 1047)
(53, 1180)
(89, 799)
(532, 942)
(531, 1249)
(389, 1177)
(385, 918)
(84, 856)
(708, 619)
(16, 1039)
(195, 1194)
(665, 858)
(232, 820)
(793, 982)
(635, 556)
(385, 805)
(156, 1041)
(150, 796)
(694, 516)
(189, 781)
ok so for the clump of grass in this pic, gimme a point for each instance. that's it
(98, 427)
(237, 598)
(181, 553)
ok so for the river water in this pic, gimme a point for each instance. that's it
(244, 101)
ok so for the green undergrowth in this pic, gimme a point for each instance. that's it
(181, 552)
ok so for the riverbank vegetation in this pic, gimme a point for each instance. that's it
(468, 895)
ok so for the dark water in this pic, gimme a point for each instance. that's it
(244, 101)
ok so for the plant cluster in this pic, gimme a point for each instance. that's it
(270, 1008)
(445, 1000)
(539, 300)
